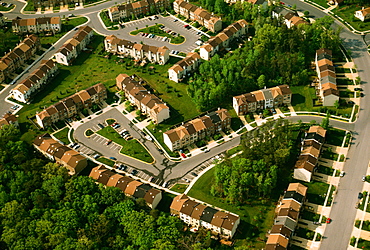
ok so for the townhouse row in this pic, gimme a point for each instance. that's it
(195, 13)
(139, 96)
(33, 83)
(143, 7)
(14, 59)
(310, 152)
(69, 51)
(185, 67)
(286, 218)
(9, 119)
(130, 187)
(37, 25)
(223, 39)
(71, 105)
(139, 52)
(327, 88)
(289, 17)
(197, 129)
(262, 99)
(197, 215)
(61, 154)
(363, 14)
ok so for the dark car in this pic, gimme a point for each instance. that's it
(360, 195)
(100, 125)
(358, 89)
(160, 150)
(351, 102)
(112, 158)
(134, 172)
(194, 174)
(122, 167)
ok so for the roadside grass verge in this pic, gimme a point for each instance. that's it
(107, 161)
(130, 148)
(62, 135)
(180, 188)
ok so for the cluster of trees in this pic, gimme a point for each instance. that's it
(276, 55)
(42, 207)
(254, 173)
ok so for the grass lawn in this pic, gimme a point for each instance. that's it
(8, 38)
(304, 233)
(180, 188)
(30, 6)
(346, 81)
(335, 136)
(316, 191)
(234, 150)
(3, 8)
(325, 170)
(329, 155)
(308, 215)
(131, 148)
(107, 22)
(323, 3)
(256, 216)
(347, 13)
(106, 161)
(62, 135)
(89, 132)
(156, 30)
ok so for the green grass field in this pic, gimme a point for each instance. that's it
(62, 135)
(131, 148)
(180, 188)
(256, 216)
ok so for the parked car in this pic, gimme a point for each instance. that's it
(206, 150)
(100, 125)
(364, 178)
(129, 138)
(360, 195)
(149, 138)
(108, 142)
(175, 20)
(186, 25)
(134, 172)
(341, 174)
(328, 220)
(160, 150)
(96, 156)
(72, 145)
(77, 146)
(112, 158)
(116, 126)
(122, 167)
(351, 102)
(194, 174)
(183, 155)
(358, 89)
(152, 179)
(165, 184)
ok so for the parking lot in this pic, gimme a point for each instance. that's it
(191, 34)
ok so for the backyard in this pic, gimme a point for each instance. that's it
(256, 215)
(316, 191)
(131, 148)
(62, 135)
(156, 30)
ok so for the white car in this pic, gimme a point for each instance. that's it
(341, 174)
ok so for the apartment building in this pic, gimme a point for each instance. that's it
(310, 152)
(290, 18)
(363, 14)
(262, 99)
(129, 186)
(326, 88)
(286, 217)
(139, 96)
(71, 105)
(37, 25)
(140, 52)
(61, 154)
(14, 59)
(184, 67)
(69, 51)
(36, 80)
(9, 119)
(144, 7)
(195, 13)
(223, 39)
(197, 129)
(197, 215)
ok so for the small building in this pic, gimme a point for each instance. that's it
(184, 67)
(9, 119)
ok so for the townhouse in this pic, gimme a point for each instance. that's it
(144, 7)
(197, 215)
(184, 67)
(363, 14)
(286, 217)
(9, 119)
(262, 99)
(71, 105)
(128, 186)
(326, 88)
(69, 51)
(139, 96)
(310, 152)
(37, 79)
(195, 13)
(37, 25)
(139, 52)
(61, 154)
(223, 39)
(14, 59)
(289, 17)
(197, 129)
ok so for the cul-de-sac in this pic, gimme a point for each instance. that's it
(185, 124)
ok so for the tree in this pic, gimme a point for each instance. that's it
(325, 122)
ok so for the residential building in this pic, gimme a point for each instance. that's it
(198, 215)
(195, 13)
(37, 25)
(69, 51)
(129, 186)
(326, 88)
(289, 17)
(145, 101)
(61, 154)
(185, 67)
(35, 81)
(143, 7)
(262, 99)
(70, 106)
(223, 39)
(139, 52)
(9, 119)
(197, 129)
(15, 59)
